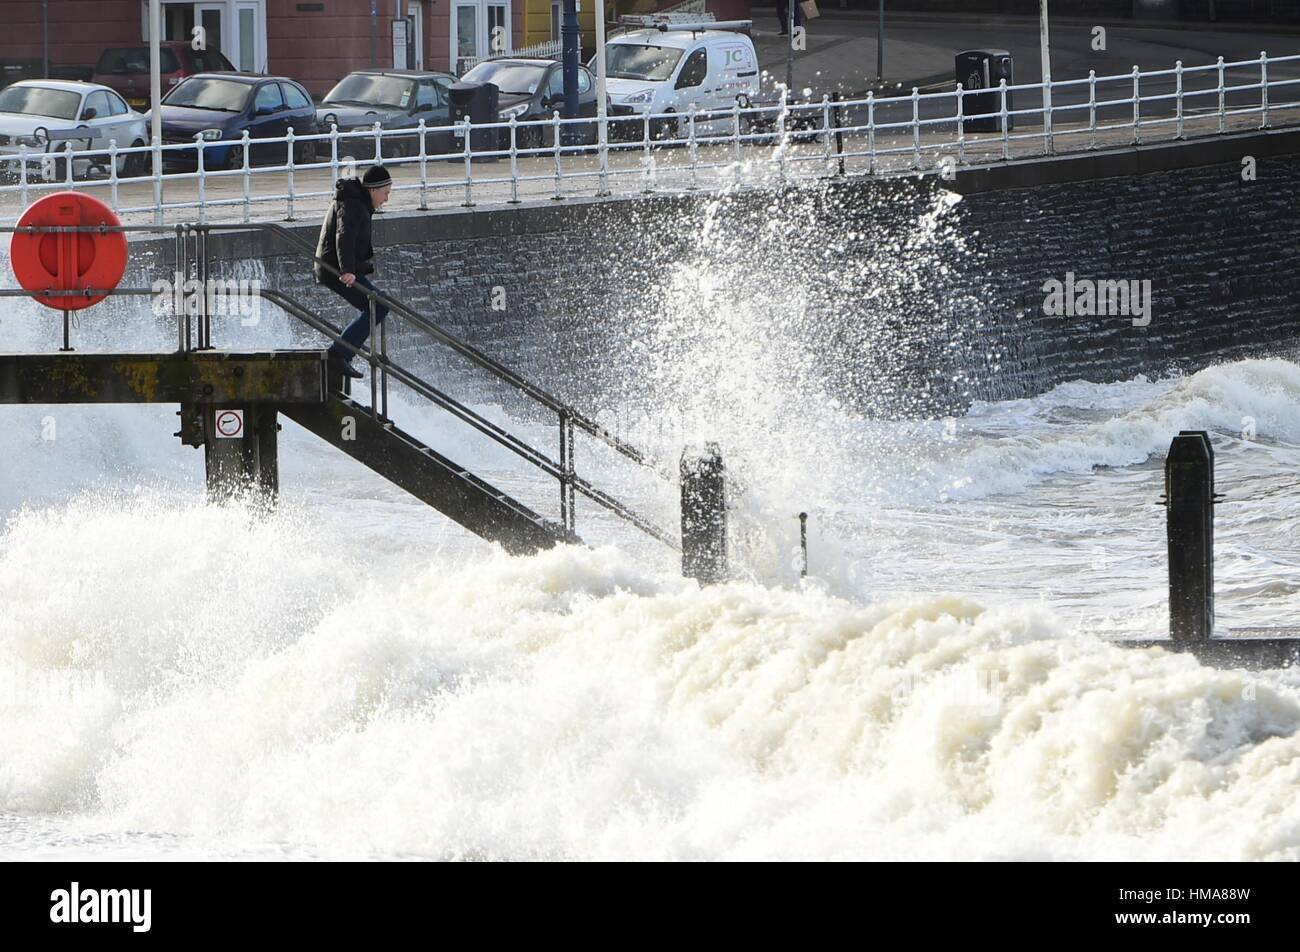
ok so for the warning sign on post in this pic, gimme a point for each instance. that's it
(230, 424)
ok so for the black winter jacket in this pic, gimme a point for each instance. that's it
(345, 233)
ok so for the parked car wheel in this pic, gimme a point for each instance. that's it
(530, 138)
(137, 163)
(234, 158)
(304, 153)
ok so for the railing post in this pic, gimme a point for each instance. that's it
(182, 276)
(334, 151)
(514, 160)
(692, 147)
(559, 171)
(735, 136)
(647, 162)
(961, 127)
(1178, 96)
(704, 514)
(871, 132)
(246, 145)
(916, 129)
(68, 153)
(1189, 497)
(379, 143)
(826, 129)
(839, 131)
(373, 357)
(1049, 141)
(201, 319)
(469, 168)
(1092, 109)
(179, 275)
(22, 175)
(1263, 89)
(1223, 115)
(112, 171)
(383, 369)
(289, 140)
(203, 174)
(602, 148)
(1006, 119)
(424, 169)
(1137, 106)
(783, 135)
(155, 168)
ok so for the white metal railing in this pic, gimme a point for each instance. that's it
(746, 145)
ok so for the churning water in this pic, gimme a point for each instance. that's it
(355, 676)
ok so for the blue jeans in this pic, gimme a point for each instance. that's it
(358, 331)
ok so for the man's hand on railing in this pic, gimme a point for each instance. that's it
(347, 279)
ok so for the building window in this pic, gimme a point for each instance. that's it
(479, 29)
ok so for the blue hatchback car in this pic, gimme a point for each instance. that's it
(221, 106)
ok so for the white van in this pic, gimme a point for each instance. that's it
(666, 72)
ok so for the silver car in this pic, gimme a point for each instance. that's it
(41, 117)
(394, 98)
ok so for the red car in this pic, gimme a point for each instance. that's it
(125, 69)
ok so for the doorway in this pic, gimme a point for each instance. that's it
(236, 28)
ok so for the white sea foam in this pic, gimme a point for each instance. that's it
(570, 705)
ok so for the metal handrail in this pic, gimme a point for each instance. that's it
(531, 454)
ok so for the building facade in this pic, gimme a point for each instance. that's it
(314, 42)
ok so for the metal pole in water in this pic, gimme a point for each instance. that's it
(1189, 498)
(803, 543)
(704, 514)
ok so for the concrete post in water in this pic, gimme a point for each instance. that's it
(803, 543)
(704, 514)
(1189, 496)
(239, 451)
(266, 430)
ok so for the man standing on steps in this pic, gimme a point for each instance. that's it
(345, 244)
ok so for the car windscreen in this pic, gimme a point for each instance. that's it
(134, 59)
(362, 89)
(40, 101)
(637, 61)
(511, 78)
(221, 95)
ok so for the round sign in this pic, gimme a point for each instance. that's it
(230, 423)
(68, 261)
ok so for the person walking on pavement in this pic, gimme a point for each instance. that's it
(783, 14)
(345, 245)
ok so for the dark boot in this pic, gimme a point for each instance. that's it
(342, 365)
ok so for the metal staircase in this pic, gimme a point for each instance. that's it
(429, 476)
(403, 459)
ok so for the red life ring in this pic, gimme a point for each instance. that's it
(68, 261)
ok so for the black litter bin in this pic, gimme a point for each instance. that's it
(980, 72)
(476, 102)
